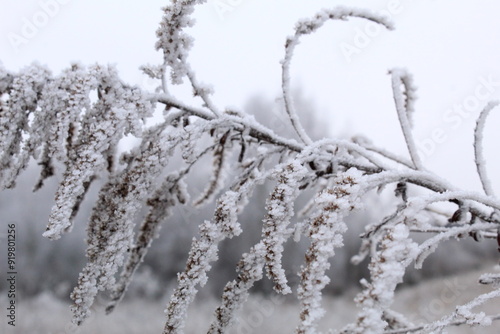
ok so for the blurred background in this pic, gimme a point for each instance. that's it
(342, 89)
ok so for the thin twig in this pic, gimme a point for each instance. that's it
(307, 27)
(259, 132)
(419, 328)
(404, 105)
(478, 148)
(385, 153)
(202, 92)
(164, 79)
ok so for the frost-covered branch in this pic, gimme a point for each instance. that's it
(404, 98)
(309, 26)
(478, 148)
(175, 44)
(172, 191)
(325, 228)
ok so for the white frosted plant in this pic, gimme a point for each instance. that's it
(72, 124)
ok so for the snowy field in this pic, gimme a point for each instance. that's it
(48, 315)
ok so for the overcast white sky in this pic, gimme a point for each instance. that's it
(451, 47)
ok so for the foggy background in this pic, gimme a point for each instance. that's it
(451, 47)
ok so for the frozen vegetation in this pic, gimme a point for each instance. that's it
(427, 301)
(72, 125)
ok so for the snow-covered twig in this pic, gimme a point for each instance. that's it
(258, 131)
(175, 44)
(382, 152)
(279, 213)
(421, 328)
(309, 26)
(464, 314)
(171, 192)
(203, 252)
(478, 148)
(405, 100)
(325, 229)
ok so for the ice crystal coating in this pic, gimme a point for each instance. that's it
(71, 124)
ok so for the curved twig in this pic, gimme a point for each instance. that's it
(478, 148)
(404, 101)
(306, 27)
